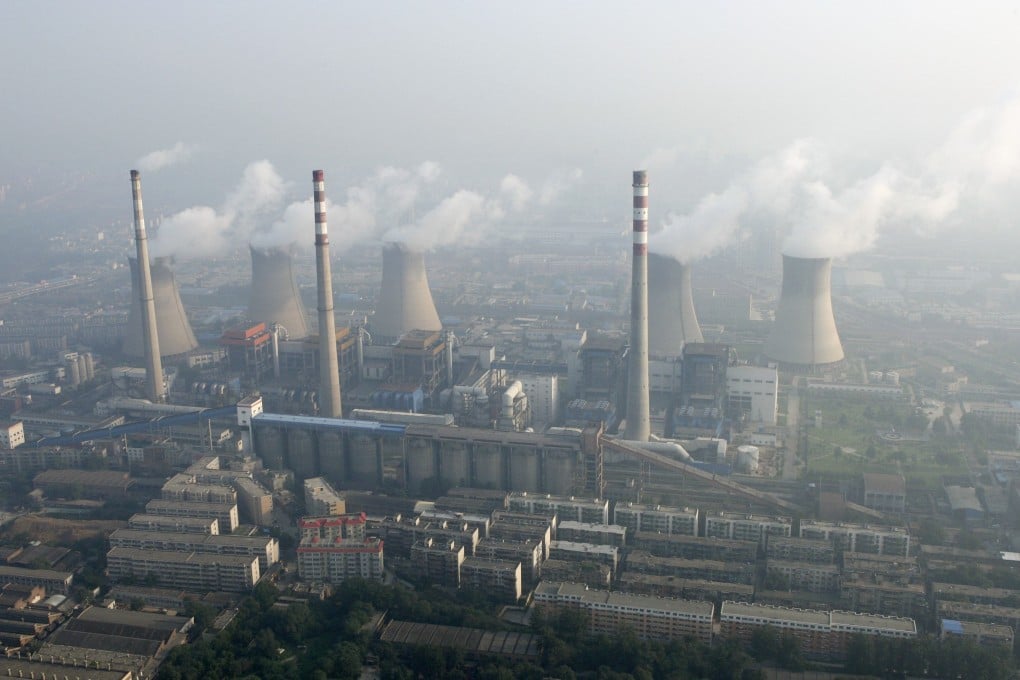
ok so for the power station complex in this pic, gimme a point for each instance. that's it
(421, 415)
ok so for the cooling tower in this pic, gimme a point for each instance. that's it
(274, 293)
(672, 322)
(173, 329)
(804, 334)
(329, 364)
(405, 301)
(144, 299)
(638, 406)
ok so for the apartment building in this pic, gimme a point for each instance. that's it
(743, 527)
(656, 519)
(695, 547)
(709, 570)
(224, 513)
(528, 553)
(591, 574)
(500, 579)
(984, 634)
(184, 488)
(194, 525)
(324, 561)
(653, 618)
(322, 499)
(800, 550)
(567, 508)
(821, 634)
(859, 538)
(333, 527)
(686, 588)
(439, 562)
(200, 572)
(809, 576)
(590, 532)
(265, 548)
(254, 501)
(586, 552)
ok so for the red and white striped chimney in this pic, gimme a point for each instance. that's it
(329, 369)
(638, 416)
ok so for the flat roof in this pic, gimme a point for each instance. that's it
(768, 611)
(176, 557)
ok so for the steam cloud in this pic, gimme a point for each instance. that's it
(254, 212)
(203, 231)
(827, 218)
(164, 158)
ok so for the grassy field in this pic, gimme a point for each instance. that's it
(849, 442)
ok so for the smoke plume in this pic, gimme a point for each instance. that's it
(802, 189)
(203, 231)
(164, 158)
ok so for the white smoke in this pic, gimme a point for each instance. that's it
(827, 216)
(558, 183)
(388, 196)
(164, 158)
(516, 191)
(203, 231)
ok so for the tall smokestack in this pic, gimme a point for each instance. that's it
(329, 370)
(638, 419)
(405, 301)
(172, 325)
(274, 293)
(672, 322)
(153, 364)
(804, 335)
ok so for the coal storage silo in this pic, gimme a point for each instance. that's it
(172, 326)
(405, 300)
(672, 322)
(274, 293)
(804, 336)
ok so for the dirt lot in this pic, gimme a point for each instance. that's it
(56, 531)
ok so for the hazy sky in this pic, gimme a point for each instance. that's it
(700, 91)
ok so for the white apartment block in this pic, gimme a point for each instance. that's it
(201, 572)
(265, 548)
(224, 513)
(650, 617)
(12, 435)
(740, 527)
(193, 525)
(657, 519)
(333, 562)
(860, 538)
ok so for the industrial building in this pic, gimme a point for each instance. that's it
(12, 435)
(753, 392)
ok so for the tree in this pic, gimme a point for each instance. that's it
(788, 654)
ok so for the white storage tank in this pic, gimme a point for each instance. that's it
(874, 377)
(892, 377)
(747, 458)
